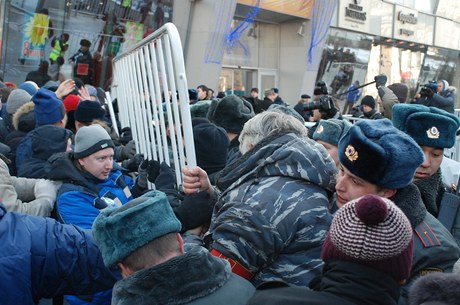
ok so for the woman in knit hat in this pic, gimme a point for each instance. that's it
(367, 254)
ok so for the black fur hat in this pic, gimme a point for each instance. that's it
(230, 113)
(436, 288)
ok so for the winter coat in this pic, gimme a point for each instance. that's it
(353, 95)
(196, 278)
(342, 282)
(444, 100)
(80, 200)
(272, 214)
(82, 196)
(50, 259)
(37, 146)
(388, 100)
(435, 250)
(28, 196)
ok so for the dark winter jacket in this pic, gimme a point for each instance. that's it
(342, 282)
(444, 100)
(196, 278)
(272, 214)
(43, 258)
(435, 250)
(37, 146)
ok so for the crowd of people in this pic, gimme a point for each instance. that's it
(274, 212)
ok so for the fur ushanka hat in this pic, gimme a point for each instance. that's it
(428, 126)
(230, 113)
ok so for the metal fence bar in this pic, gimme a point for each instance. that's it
(146, 79)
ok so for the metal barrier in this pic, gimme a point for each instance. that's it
(144, 77)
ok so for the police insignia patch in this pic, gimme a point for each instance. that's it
(433, 133)
(351, 153)
(320, 129)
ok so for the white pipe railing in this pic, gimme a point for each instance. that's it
(145, 78)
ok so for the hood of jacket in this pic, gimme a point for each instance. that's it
(49, 139)
(24, 117)
(285, 155)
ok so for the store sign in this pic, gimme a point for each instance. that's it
(355, 12)
(354, 15)
(405, 23)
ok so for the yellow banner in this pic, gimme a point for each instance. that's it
(299, 8)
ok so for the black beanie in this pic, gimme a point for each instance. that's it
(211, 145)
(230, 113)
(368, 101)
(87, 111)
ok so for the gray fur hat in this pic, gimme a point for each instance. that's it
(436, 288)
(230, 113)
(91, 139)
(330, 131)
(120, 231)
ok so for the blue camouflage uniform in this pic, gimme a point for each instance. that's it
(272, 215)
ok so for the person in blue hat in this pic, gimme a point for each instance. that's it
(377, 158)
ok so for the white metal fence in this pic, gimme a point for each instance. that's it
(146, 80)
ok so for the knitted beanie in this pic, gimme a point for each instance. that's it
(368, 101)
(87, 111)
(330, 131)
(428, 126)
(119, 232)
(211, 145)
(29, 86)
(16, 99)
(48, 108)
(377, 152)
(374, 232)
(71, 102)
(230, 113)
(91, 139)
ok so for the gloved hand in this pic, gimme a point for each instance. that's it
(426, 92)
(326, 102)
(166, 178)
(380, 80)
(133, 164)
(194, 211)
(125, 152)
(153, 170)
(125, 135)
(142, 174)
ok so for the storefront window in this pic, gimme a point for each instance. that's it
(345, 59)
(106, 24)
(236, 81)
(439, 64)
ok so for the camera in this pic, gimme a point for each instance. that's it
(324, 103)
(429, 89)
(320, 88)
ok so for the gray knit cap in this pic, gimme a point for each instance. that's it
(16, 99)
(91, 139)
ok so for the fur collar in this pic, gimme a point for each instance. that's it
(432, 190)
(179, 280)
(408, 199)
